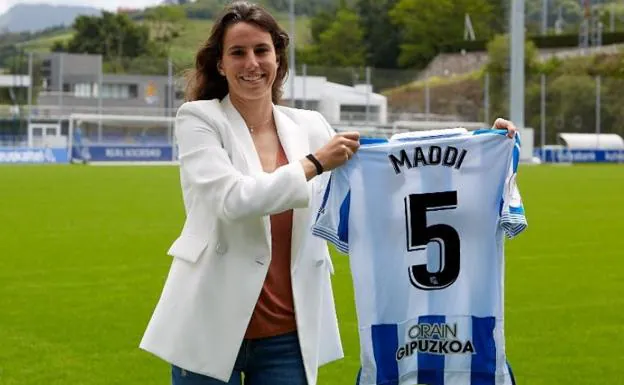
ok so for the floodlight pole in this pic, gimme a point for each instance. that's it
(516, 83)
(544, 17)
(292, 64)
(30, 86)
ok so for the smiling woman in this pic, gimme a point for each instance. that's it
(249, 63)
(249, 290)
(228, 39)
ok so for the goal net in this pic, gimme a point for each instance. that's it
(124, 139)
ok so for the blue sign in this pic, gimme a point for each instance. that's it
(124, 153)
(22, 155)
(581, 156)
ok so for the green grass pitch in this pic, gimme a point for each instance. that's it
(83, 261)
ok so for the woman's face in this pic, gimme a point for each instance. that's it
(249, 61)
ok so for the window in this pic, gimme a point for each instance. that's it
(359, 108)
(81, 90)
(358, 113)
(134, 91)
(120, 91)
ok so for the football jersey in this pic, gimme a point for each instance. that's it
(423, 221)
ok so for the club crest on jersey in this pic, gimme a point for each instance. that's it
(448, 156)
(434, 338)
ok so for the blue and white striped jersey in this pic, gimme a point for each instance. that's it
(423, 221)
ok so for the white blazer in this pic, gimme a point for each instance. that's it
(222, 255)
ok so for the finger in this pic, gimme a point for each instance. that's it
(352, 145)
(511, 130)
(506, 124)
(501, 123)
(347, 151)
(353, 135)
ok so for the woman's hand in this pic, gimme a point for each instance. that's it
(334, 153)
(501, 123)
(338, 150)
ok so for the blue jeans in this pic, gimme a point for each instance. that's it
(265, 361)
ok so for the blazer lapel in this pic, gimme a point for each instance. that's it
(294, 140)
(244, 141)
(242, 136)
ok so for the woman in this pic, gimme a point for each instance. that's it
(249, 289)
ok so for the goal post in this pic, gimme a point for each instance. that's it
(127, 139)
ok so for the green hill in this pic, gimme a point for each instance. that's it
(183, 49)
(197, 31)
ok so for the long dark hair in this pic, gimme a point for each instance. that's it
(204, 81)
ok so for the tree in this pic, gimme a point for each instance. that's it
(114, 36)
(498, 68)
(498, 55)
(428, 25)
(58, 46)
(381, 36)
(204, 9)
(337, 40)
(500, 22)
(320, 23)
(572, 108)
(308, 7)
(166, 24)
(342, 43)
(571, 12)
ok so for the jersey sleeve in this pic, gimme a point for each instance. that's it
(332, 219)
(512, 216)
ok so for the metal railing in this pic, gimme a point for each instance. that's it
(55, 112)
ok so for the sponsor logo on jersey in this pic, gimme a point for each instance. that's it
(434, 338)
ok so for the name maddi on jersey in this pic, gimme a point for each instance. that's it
(435, 338)
(448, 156)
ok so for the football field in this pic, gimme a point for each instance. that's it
(83, 261)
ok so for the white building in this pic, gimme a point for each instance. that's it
(340, 104)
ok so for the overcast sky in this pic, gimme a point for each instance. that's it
(106, 4)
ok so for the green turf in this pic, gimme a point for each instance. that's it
(83, 262)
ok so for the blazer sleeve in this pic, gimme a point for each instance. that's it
(230, 194)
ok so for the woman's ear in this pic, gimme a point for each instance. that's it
(220, 69)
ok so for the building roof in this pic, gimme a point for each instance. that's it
(357, 95)
(318, 88)
(590, 141)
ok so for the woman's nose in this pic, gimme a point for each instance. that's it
(251, 60)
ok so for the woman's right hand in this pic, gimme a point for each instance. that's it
(335, 153)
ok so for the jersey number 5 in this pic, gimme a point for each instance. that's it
(419, 235)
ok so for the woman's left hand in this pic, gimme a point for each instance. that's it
(501, 123)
